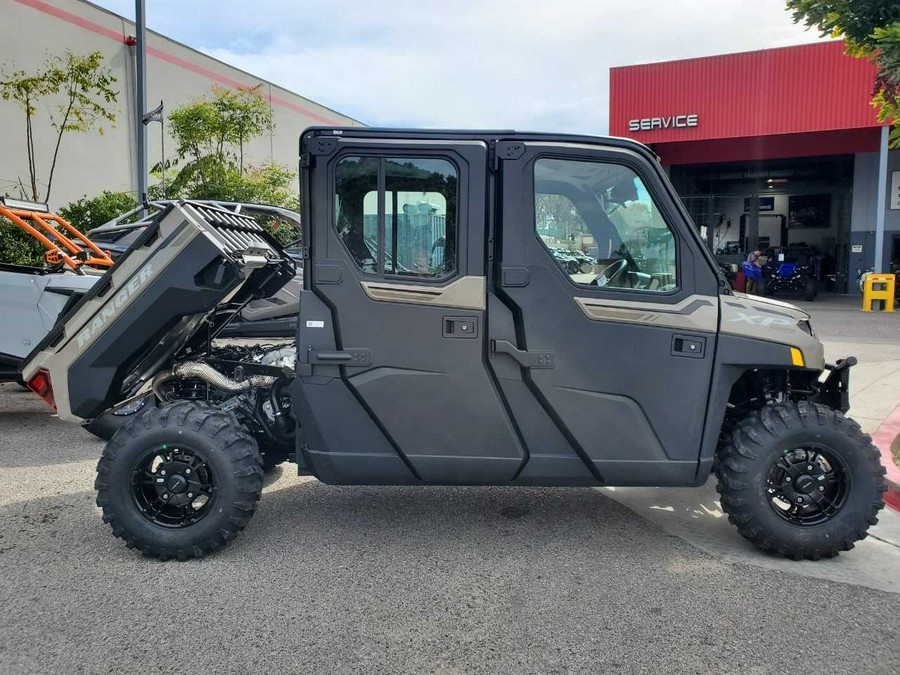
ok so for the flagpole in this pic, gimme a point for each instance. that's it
(140, 30)
(156, 115)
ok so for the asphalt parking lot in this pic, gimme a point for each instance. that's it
(378, 580)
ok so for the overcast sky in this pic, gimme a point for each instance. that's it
(517, 64)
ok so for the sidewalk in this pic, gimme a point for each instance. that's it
(874, 395)
(874, 339)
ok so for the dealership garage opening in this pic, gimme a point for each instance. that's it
(778, 150)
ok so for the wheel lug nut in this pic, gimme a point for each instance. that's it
(190, 495)
(809, 468)
(187, 470)
(799, 500)
(165, 496)
(788, 479)
(162, 473)
(821, 488)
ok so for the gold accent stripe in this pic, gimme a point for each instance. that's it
(696, 312)
(465, 293)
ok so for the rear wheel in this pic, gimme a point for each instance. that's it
(179, 481)
(800, 480)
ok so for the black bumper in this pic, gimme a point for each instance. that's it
(835, 390)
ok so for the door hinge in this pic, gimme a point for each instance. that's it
(506, 150)
(349, 358)
(322, 145)
(490, 249)
(356, 358)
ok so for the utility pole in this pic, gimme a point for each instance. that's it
(140, 99)
(880, 199)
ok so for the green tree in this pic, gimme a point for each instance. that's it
(217, 127)
(871, 30)
(17, 247)
(88, 213)
(210, 135)
(80, 95)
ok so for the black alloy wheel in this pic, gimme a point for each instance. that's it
(173, 486)
(180, 480)
(808, 485)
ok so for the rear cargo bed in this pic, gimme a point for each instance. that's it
(193, 265)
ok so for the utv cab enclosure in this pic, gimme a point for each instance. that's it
(442, 340)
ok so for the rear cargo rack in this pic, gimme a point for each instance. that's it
(192, 268)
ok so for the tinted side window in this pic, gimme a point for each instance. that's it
(602, 227)
(418, 220)
(355, 216)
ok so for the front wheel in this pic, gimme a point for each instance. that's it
(179, 481)
(800, 480)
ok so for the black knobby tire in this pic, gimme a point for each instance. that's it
(764, 441)
(229, 460)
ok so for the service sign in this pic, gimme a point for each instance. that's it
(670, 122)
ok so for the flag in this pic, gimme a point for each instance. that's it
(155, 115)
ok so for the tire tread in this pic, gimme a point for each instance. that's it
(739, 460)
(239, 449)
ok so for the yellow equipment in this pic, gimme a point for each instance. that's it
(884, 291)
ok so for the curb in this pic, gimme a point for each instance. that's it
(883, 438)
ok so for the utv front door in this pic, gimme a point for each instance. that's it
(604, 332)
(394, 384)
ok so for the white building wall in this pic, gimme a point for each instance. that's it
(89, 163)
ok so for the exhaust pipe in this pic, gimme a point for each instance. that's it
(215, 379)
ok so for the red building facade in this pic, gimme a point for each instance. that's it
(787, 121)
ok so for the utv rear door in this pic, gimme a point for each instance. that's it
(394, 383)
(604, 330)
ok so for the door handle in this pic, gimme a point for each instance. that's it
(691, 346)
(525, 358)
(460, 327)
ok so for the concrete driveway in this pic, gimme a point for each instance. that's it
(416, 580)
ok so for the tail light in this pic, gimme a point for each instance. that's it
(41, 385)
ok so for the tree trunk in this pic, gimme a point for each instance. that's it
(62, 129)
(29, 143)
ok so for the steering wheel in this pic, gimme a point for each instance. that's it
(607, 274)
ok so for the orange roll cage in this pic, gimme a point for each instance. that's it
(60, 247)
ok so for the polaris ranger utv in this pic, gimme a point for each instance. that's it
(440, 342)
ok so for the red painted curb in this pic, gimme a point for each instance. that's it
(883, 438)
